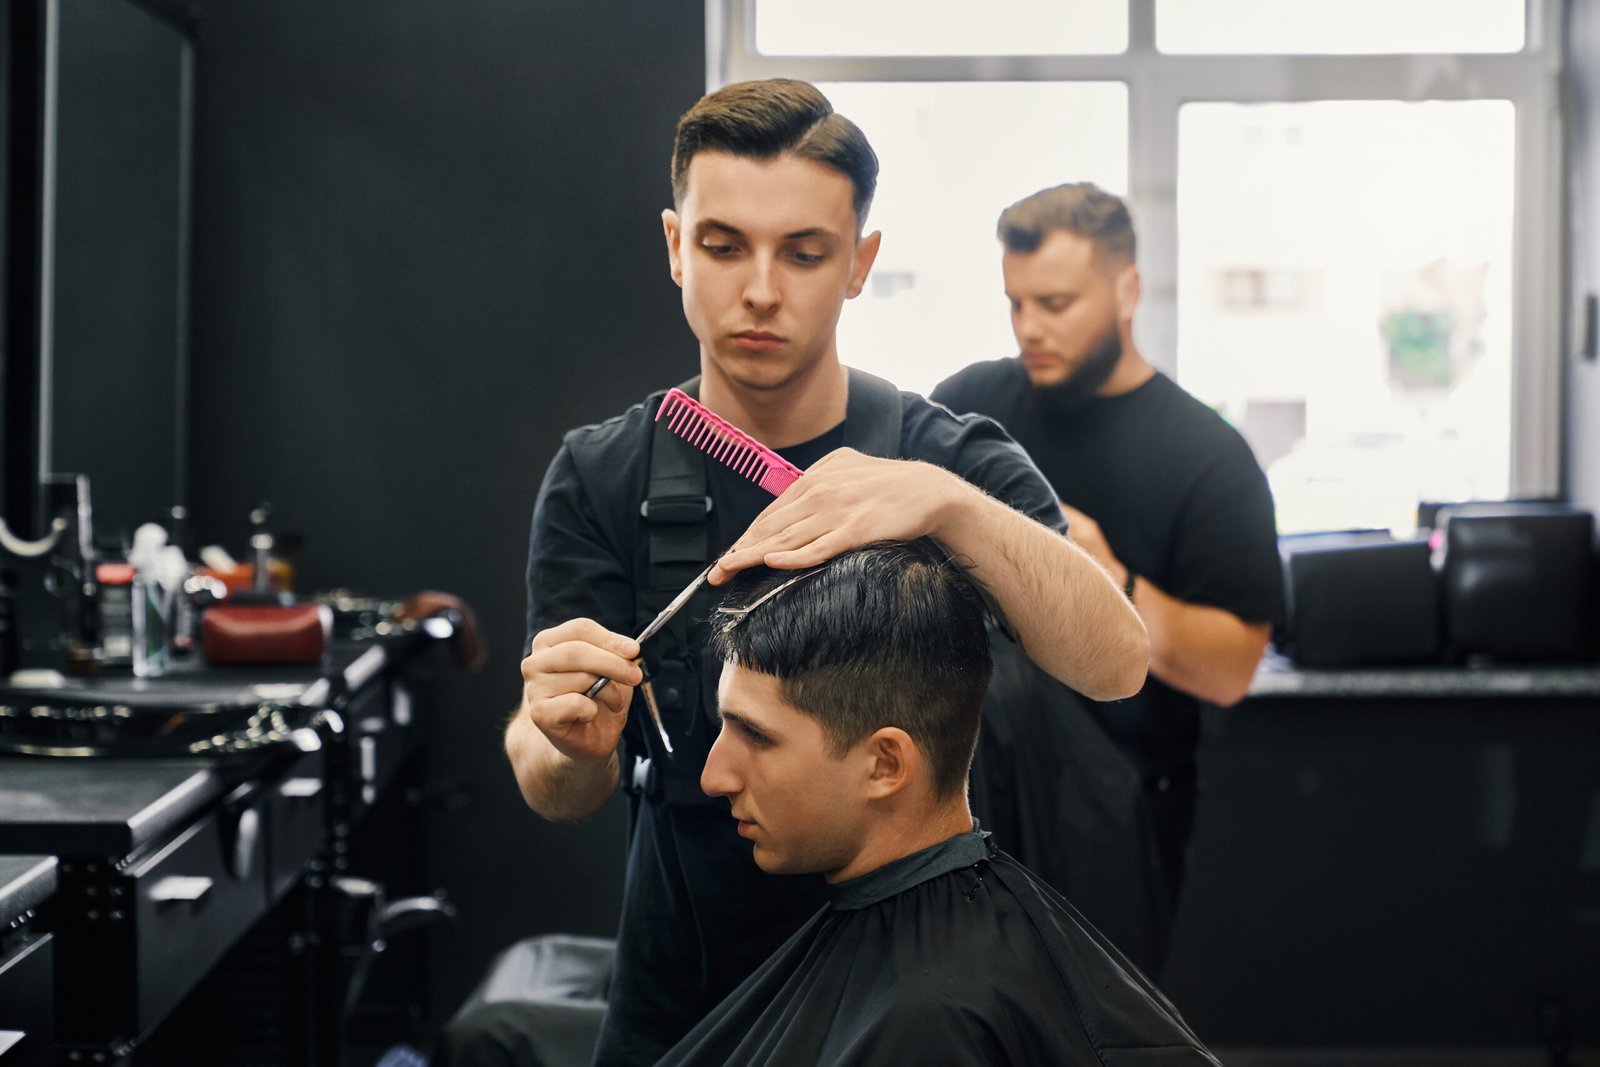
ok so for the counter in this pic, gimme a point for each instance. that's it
(1278, 677)
(231, 792)
(1397, 857)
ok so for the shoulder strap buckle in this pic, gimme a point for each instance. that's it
(676, 510)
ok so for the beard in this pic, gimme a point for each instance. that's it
(1084, 382)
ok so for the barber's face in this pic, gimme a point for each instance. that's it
(801, 807)
(1068, 310)
(766, 253)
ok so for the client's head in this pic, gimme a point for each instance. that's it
(850, 699)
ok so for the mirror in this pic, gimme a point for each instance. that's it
(108, 300)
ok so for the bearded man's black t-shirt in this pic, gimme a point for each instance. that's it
(1180, 499)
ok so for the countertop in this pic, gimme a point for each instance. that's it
(99, 808)
(25, 883)
(1277, 677)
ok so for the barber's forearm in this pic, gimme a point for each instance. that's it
(1071, 618)
(1203, 651)
(558, 788)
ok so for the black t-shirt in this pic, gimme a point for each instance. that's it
(1180, 498)
(698, 914)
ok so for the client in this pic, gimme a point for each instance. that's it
(849, 703)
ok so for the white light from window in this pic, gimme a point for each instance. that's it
(940, 27)
(1349, 27)
(953, 156)
(1344, 297)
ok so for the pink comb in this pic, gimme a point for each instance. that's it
(726, 443)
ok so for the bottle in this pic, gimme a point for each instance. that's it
(150, 626)
(116, 613)
(153, 580)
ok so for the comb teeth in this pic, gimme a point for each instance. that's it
(726, 443)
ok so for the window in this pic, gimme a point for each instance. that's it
(1352, 258)
(1355, 27)
(940, 27)
(1347, 222)
(934, 303)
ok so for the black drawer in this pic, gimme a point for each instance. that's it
(136, 935)
(194, 899)
(295, 806)
(27, 1029)
(380, 734)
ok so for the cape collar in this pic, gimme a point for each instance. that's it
(894, 878)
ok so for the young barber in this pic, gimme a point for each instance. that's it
(766, 239)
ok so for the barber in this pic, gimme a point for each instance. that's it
(767, 240)
(1155, 485)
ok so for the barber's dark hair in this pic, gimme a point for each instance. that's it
(1082, 208)
(887, 635)
(765, 119)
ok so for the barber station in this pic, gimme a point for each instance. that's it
(795, 532)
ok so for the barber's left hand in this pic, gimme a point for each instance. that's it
(845, 500)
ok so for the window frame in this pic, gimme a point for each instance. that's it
(1159, 84)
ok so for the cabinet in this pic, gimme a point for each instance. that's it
(168, 867)
(1399, 857)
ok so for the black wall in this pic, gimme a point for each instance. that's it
(427, 243)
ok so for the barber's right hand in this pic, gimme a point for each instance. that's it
(562, 665)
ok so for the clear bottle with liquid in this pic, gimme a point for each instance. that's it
(152, 612)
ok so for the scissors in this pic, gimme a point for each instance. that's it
(644, 635)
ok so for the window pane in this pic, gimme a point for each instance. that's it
(940, 27)
(953, 156)
(1344, 298)
(1349, 27)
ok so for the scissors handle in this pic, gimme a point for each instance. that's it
(649, 700)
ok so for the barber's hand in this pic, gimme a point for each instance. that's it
(1087, 535)
(564, 662)
(844, 501)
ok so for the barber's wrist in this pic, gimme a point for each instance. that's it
(958, 509)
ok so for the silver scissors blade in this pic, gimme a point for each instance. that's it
(676, 606)
(655, 627)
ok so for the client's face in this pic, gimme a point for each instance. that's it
(799, 805)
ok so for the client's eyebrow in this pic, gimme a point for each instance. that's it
(743, 723)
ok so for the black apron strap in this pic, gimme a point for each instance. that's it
(872, 416)
(676, 512)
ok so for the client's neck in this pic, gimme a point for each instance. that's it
(905, 828)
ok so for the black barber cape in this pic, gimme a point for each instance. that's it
(952, 955)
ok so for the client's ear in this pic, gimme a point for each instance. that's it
(896, 762)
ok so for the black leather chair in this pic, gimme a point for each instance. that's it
(1519, 582)
(1358, 597)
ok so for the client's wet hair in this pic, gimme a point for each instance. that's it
(887, 635)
